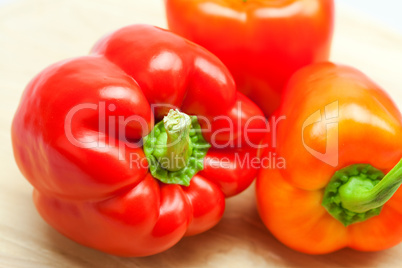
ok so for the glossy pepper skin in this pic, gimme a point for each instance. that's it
(263, 42)
(90, 189)
(352, 121)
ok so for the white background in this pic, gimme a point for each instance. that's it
(385, 12)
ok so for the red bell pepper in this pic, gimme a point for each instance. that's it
(261, 42)
(341, 134)
(77, 137)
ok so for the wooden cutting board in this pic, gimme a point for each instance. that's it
(34, 34)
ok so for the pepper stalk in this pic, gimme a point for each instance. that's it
(358, 192)
(175, 148)
(178, 147)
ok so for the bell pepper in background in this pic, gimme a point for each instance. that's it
(76, 138)
(262, 42)
(339, 135)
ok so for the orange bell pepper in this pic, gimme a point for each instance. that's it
(340, 135)
(262, 42)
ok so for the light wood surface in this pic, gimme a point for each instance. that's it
(36, 33)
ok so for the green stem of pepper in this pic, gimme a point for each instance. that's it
(178, 147)
(358, 192)
(175, 148)
(359, 196)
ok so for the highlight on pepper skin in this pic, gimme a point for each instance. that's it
(343, 149)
